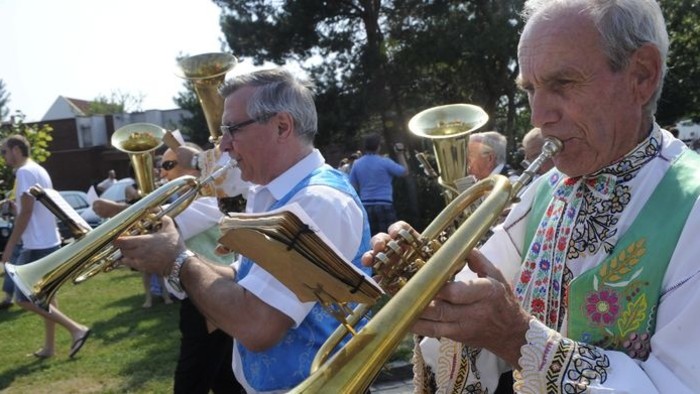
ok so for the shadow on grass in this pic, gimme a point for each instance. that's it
(152, 336)
(130, 349)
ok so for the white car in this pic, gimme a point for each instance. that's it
(116, 192)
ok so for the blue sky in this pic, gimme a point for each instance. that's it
(88, 48)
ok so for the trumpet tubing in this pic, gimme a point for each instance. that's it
(94, 252)
(432, 261)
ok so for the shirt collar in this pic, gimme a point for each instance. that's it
(281, 185)
(498, 169)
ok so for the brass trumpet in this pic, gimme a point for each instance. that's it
(139, 140)
(94, 252)
(429, 261)
(448, 127)
(207, 71)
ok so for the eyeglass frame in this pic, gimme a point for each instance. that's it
(232, 129)
(168, 163)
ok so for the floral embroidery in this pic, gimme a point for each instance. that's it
(603, 307)
(598, 216)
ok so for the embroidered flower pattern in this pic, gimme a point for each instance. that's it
(603, 307)
(580, 220)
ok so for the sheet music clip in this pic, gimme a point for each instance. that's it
(339, 310)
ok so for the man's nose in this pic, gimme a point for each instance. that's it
(544, 109)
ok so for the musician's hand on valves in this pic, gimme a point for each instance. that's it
(152, 253)
(380, 241)
(480, 312)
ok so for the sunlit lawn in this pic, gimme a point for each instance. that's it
(130, 349)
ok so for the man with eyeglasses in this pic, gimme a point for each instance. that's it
(269, 124)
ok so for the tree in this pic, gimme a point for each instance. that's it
(118, 102)
(380, 62)
(4, 101)
(681, 95)
(39, 138)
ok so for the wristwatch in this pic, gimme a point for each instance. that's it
(174, 276)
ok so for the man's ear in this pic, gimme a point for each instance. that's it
(285, 123)
(645, 72)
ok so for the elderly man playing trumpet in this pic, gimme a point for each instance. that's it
(592, 283)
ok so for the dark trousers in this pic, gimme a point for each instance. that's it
(205, 358)
(380, 217)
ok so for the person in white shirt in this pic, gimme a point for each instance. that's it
(36, 227)
(269, 124)
(107, 182)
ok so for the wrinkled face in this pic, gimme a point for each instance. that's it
(252, 145)
(575, 96)
(482, 160)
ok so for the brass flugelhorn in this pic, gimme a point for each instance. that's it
(94, 252)
(425, 264)
(206, 72)
(139, 141)
(448, 127)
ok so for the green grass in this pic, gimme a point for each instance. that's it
(130, 350)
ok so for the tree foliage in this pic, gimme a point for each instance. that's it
(681, 94)
(118, 102)
(39, 137)
(376, 63)
(380, 62)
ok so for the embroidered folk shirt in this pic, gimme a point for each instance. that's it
(594, 214)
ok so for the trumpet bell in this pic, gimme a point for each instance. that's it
(448, 127)
(207, 71)
(448, 121)
(138, 140)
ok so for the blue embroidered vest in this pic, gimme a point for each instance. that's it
(288, 363)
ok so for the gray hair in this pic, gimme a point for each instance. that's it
(494, 141)
(185, 153)
(624, 26)
(277, 90)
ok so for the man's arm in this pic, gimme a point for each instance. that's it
(232, 308)
(21, 222)
(212, 289)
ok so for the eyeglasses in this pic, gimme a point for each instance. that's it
(235, 127)
(232, 129)
(168, 165)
